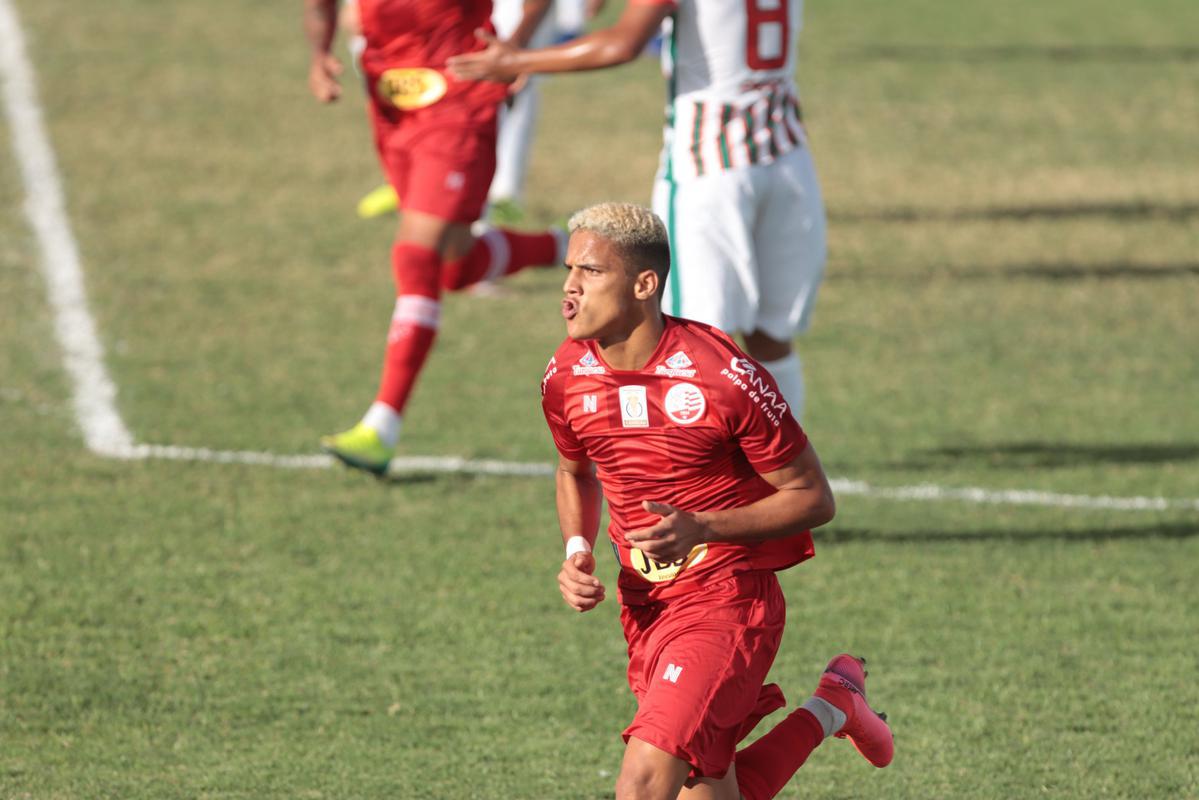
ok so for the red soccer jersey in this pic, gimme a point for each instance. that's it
(403, 36)
(694, 429)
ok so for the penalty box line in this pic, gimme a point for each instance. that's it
(94, 392)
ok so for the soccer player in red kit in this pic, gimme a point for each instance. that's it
(712, 487)
(435, 136)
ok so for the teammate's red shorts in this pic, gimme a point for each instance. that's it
(697, 664)
(438, 164)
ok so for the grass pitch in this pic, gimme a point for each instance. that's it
(1009, 304)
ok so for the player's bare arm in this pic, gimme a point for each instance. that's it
(579, 497)
(803, 501)
(618, 44)
(532, 13)
(320, 26)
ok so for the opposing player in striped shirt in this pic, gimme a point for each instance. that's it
(737, 186)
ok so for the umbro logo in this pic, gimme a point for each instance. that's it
(588, 365)
(677, 366)
(678, 361)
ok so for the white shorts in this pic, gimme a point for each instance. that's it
(748, 246)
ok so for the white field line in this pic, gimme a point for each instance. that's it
(841, 486)
(94, 394)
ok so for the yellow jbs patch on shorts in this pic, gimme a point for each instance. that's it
(411, 87)
(659, 571)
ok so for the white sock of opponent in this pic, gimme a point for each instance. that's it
(788, 374)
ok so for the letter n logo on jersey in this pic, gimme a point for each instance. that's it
(672, 673)
(590, 403)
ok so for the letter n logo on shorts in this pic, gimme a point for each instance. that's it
(672, 673)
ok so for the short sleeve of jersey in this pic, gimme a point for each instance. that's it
(553, 406)
(763, 426)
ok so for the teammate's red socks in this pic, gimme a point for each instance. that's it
(498, 252)
(420, 276)
(414, 322)
(764, 767)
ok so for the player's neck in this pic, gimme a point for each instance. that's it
(633, 351)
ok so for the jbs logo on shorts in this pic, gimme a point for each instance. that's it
(634, 412)
(659, 571)
(411, 87)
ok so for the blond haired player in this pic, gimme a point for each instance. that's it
(737, 186)
(712, 487)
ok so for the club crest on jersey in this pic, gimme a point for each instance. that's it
(634, 411)
(588, 365)
(677, 366)
(684, 403)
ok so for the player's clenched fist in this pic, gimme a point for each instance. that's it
(672, 537)
(581, 590)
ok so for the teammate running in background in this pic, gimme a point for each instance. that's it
(435, 135)
(737, 185)
(712, 487)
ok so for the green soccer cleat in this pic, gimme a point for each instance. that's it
(361, 448)
(377, 202)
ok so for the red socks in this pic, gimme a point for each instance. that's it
(764, 767)
(414, 322)
(498, 252)
(420, 276)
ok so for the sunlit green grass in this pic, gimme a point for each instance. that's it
(1009, 304)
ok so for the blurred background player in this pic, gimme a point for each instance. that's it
(711, 490)
(560, 21)
(518, 119)
(435, 136)
(737, 185)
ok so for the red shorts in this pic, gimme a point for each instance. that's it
(697, 665)
(437, 165)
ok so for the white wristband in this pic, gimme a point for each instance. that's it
(577, 544)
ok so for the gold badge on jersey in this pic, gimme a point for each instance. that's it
(660, 571)
(410, 88)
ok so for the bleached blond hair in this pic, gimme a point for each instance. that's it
(635, 230)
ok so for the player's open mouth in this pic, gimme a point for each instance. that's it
(569, 308)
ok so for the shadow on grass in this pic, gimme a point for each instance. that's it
(412, 478)
(1158, 530)
(1019, 455)
(1114, 53)
(1119, 209)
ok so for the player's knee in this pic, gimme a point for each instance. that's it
(766, 348)
(638, 781)
(649, 774)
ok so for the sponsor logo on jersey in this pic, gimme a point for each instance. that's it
(661, 571)
(590, 403)
(634, 411)
(744, 374)
(551, 369)
(672, 673)
(684, 403)
(454, 181)
(411, 87)
(588, 365)
(676, 367)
